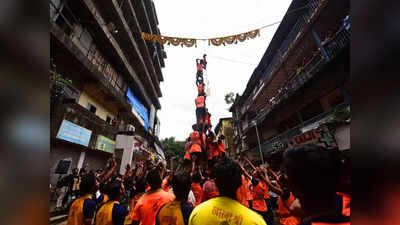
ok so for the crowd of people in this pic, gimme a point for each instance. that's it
(312, 186)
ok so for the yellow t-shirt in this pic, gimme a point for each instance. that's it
(224, 211)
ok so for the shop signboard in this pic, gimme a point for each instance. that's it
(105, 144)
(320, 136)
(74, 133)
(138, 107)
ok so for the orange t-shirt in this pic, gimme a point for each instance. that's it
(283, 210)
(197, 192)
(215, 149)
(194, 136)
(221, 147)
(200, 88)
(200, 101)
(345, 203)
(149, 204)
(195, 148)
(258, 192)
(187, 156)
(242, 194)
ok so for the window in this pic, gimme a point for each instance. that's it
(108, 119)
(91, 108)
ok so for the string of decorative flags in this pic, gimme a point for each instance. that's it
(232, 39)
(190, 42)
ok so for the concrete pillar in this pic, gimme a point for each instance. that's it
(81, 160)
(126, 143)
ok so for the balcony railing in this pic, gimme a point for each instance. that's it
(312, 7)
(84, 41)
(333, 48)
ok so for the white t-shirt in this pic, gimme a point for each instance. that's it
(191, 197)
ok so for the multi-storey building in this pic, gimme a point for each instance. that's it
(224, 127)
(105, 80)
(301, 83)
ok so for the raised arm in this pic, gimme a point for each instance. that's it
(251, 164)
(244, 171)
(193, 168)
(273, 187)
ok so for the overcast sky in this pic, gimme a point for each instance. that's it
(229, 67)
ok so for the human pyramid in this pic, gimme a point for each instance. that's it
(201, 145)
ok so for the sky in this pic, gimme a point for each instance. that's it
(229, 67)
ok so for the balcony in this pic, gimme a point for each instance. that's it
(333, 47)
(312, 9)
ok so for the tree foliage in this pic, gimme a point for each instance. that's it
(173, 148)
(230, 98)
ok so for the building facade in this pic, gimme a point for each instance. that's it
(104, 81)
(224, 127)
(300, 91)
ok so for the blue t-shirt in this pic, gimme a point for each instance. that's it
(186, 210)
(89, 208)
(118, 214)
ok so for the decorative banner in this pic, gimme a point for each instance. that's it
(175, 41)
(190, 42)
(234, 39)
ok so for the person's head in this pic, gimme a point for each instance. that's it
(312, 174)
(283, 180)
(141, 186)
(89, 184)
(154, 178)
(210, 171)
(75, 171)
(181, 183)
(196, 178)
(194, 127)
(228, 177)
(114, 190)
(128, 166)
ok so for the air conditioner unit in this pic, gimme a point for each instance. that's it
(130, 127)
